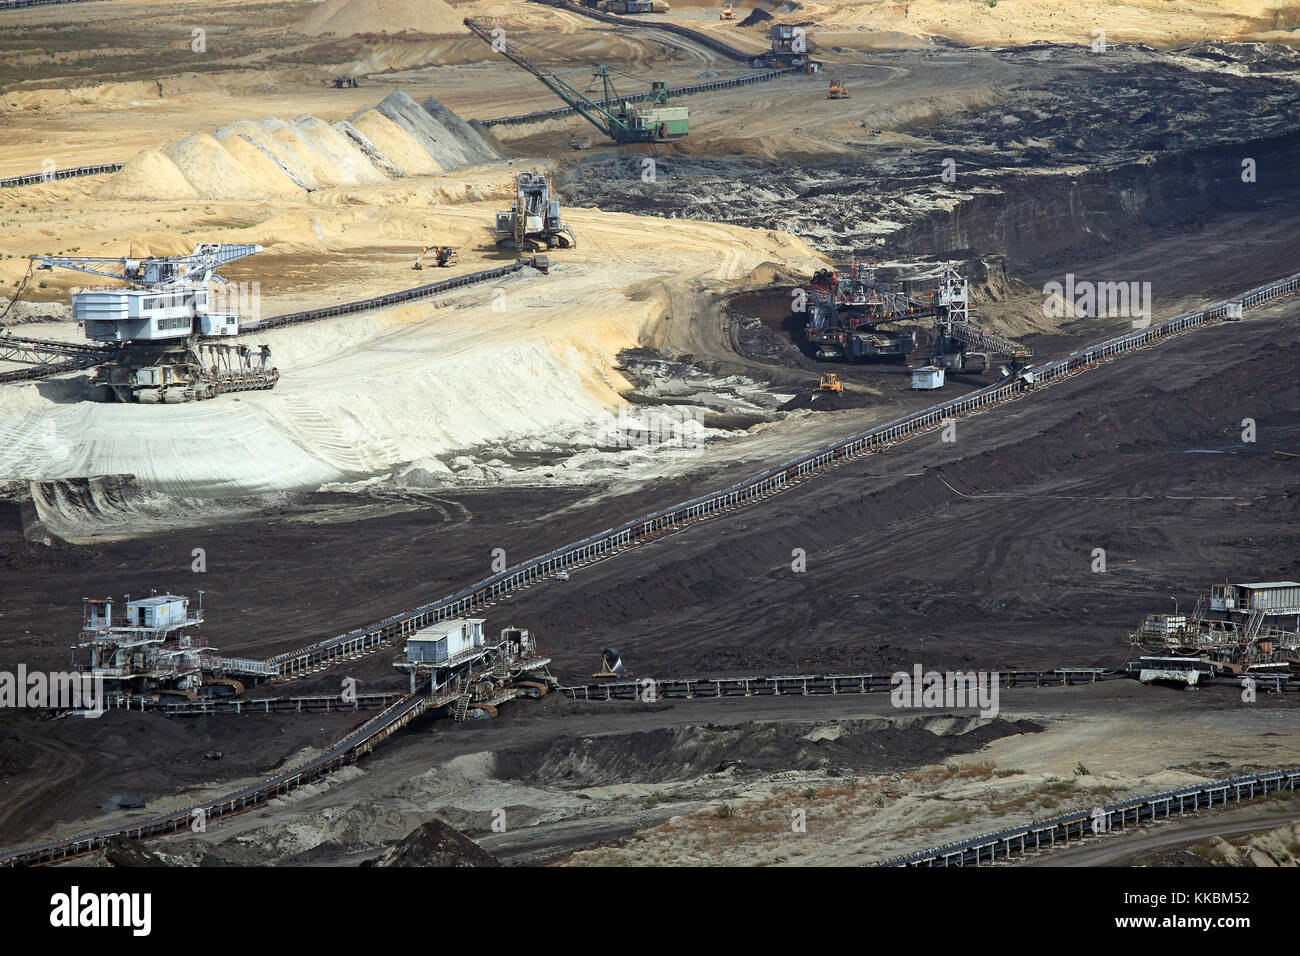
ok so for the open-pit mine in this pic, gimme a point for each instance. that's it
(530, 433)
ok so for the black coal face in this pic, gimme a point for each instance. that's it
(682, 753)
(1088, 148)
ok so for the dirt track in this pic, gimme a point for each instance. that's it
(689, 608)
(1000, 596)
(973, 553)
(1125, 849)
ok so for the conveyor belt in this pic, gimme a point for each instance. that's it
(315, 657)
(46, 369)
(320, 704)
(808, 685)
(1083, 824)
(695, 36)
(32, 179)
(381, 301)
(23, 4)
(355, 744)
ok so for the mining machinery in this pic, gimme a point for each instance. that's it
(960, 344)
(611, 664)
(443, 256)
(471, 672)
(632, 6)
(146, 647)
(838, 91)
(847, 309)
(790, 48)
(533, 221)
(727, 12)
(41, 358)
(150, 331)
(649, 121)
(847, 312)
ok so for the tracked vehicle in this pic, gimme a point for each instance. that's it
(166, 342)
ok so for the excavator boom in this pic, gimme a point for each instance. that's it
(623, 125)
(156, 272)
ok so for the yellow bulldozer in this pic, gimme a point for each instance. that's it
(830, 383)
(727, 13)
(838, 91)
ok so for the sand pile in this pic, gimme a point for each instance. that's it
(349, 17)
(275, 159)
(150, 175)
(335, 145)
(440, 143)
(271, 179)
(469, 139)
(286, 157)
(368, 149)
(216, 174)
(395, 142)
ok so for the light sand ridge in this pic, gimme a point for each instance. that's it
(275, 159)
(349, 17)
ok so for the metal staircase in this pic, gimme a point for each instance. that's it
(1254, 624)
(460, 709)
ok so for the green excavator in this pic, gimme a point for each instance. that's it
(650, 120)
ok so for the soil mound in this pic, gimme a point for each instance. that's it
(350, 17)
(466, 135)
(683, 753)
(214, 173)
(395, 143)
(434, 844)
(274, 159)
(149, 175)
(123, 851)
(446, 148)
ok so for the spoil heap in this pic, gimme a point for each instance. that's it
(351, 17)
(435, 844)
(276, 159)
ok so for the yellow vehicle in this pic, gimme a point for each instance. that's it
(830, 383)
(727, 13)
(446, 255)
(838, 91)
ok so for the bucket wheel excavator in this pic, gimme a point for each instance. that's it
(533, 223)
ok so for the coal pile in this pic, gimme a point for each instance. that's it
(434, 844)
(123, 851)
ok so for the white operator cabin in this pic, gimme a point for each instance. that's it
(1271, 597)
(144, 315)
(445, 641)
(158, 612)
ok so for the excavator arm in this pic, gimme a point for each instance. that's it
(593, 112)
(156, 272)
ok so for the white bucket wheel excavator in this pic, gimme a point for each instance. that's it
(533, 223)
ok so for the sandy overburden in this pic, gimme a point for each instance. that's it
(370, 394)
(277, 159)
(348, 17)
